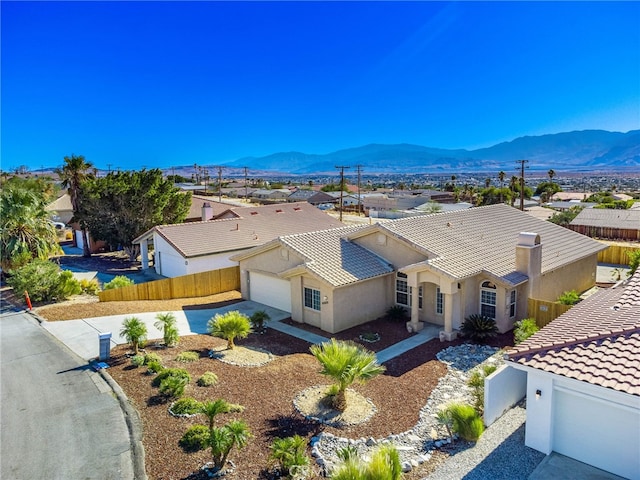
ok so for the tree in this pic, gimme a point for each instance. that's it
(135, 332)
(634, 261)
(223, 439)
(25, 230)
(123, 205)
(167, 323)
(211, 409)
(75, 171)
(501, 176)
(230, 326)
(564, 218)
(345, 362)
(551, 174)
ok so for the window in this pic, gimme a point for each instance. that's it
(403, 293)
(420, 297)
(488, 300)
(312, 298)
(512, 304)
(439, 301)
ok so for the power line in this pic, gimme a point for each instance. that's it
(246, 186)
(342, 169)
(219, 183)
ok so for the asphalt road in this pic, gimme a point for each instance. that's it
(59, 419)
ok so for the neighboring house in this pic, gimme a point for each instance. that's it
(583, 381)
(319, 198)
(276, 194)
(612, 224)
(208, 208)
(539, 212)
(568, 196)
(441, 267)
(61, 209)
(186, 248)
(563, 206)
(301, 195)
(393, 202)
(348, 200)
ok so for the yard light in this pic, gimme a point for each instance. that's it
(538, 394)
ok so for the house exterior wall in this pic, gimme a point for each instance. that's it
(374, 296)
(393, 251)
(579, 276)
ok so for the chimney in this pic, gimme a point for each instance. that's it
(529, 260)
(207, 211)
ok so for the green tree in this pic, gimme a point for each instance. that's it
(44, 281)
(564, 218)
(167, 323)
(135, 332)
(634, 261)
(230, 325)
(223, 439)
(211, 409)
(123, 205)
(25, 230)
(345, 362)
(75, 171)
(501, 176)
(551, 174)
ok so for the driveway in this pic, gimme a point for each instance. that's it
(60, 419)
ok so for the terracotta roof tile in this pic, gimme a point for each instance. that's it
(597, 341)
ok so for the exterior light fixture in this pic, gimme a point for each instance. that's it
(538, 394)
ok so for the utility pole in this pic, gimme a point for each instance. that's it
(359, 167)
(173, 174)
(246, 185)
(522, 167)
(219, 184)
(109, 167)
(342, 168)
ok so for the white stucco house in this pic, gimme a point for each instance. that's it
(441, 267)
(583, 381)
(194, 247)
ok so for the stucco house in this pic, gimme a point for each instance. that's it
(608, 223)
(194, 247)
(61, 209)
(583, 385)
(441, 267)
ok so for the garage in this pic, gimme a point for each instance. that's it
(270, 290)
(579, 418)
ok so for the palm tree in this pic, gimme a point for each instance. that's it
(383, 465)
(230, 326)
(167, 323)
(501, 176)
(25, 230)
(290, 453)
(551, 174)
(513, 185)
(345, 362)
(223, 439)
(135, 332)
(212, 408)
(73, 173)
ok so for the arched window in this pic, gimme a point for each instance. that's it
(488, 300)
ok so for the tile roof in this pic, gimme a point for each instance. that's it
(334, 258)
(255, 226)
(597, 341)
(467, 242)
(195, 211)
(61, 203)
(608, 218)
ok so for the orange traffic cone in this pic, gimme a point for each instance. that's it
(26, 297)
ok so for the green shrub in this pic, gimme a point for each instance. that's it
(524, 329)
(167, 323)
(134, 331)
(207, 379)
(290, 455)
(476, 382)
(570, 297)
(384, 464)
(230, 325)
(171, 372)
(186, 406)
(89, 287)
(118, 282)
(154, 367)
(258, 319)
(152, 357)
(479, 328)
(173, 386)
(44, 281)
(397, 313)
(466, 421)
(171, 336)
(137, 360)
(187, 357)
(634, 260)
(196, 438)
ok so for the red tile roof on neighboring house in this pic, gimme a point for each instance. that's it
(597, 341)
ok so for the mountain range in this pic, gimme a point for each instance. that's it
(578, 151)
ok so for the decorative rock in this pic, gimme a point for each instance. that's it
(315, 452)
(371, 442)
(406, 467)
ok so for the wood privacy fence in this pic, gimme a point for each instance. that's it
(544, 312)
(616, 254)
(194, 285)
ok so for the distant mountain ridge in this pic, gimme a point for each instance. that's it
(571, 151)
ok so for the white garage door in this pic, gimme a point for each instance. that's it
(271, 291)
(600, 434)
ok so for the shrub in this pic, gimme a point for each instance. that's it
(634, 260)
(171, 372)
(479, 328)
(154, 367)
(524, 329)
(466, 421)
(173, 386)
(207, 379)
(258, 319)
(167, 323)
(134, 331)
(151, 357)
(186, 406)
(187, 357)
(384, 464)
(171, 336)
(89, 287)
(569, 297)
(44, 281)
(229, 326)
(397, 313)
(291, 456)
(476, 382)
(137, 360)
(118, 282)
(196, 438)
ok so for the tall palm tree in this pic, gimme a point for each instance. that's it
(551, 174)
(501, 176)
(74, 172)
(345, 362)
(513, 185)
(230, 326)
(25, 230)
(167, 323)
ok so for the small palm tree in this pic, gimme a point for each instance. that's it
(230, 326)
(223, 439)
(290, 454)
(167, 323)
(135, 332)
(258, 319)
(345, 362)
(384, 465)
(212, 408)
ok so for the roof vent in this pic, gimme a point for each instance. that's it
(278, 211)
(528, 239)
(254, 213)
(297, 209)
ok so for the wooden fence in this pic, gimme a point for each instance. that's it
(194, 285)
(616, 254)
(544, 312)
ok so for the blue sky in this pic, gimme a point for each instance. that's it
(160, 84)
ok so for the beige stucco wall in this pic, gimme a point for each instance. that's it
(393, 251)
(579, 276)
(271, 261)
(361, 302)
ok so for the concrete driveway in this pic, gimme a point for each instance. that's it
(82, 335)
